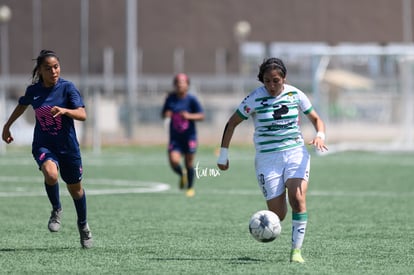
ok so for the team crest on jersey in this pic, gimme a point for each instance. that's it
(290, 97)
(246, 109)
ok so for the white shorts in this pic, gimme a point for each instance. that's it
(274, 169)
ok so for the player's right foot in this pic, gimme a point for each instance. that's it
(296, 256)
(190, 192)
(85, 236)
(54, 220)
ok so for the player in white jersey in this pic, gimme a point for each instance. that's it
(282, 160)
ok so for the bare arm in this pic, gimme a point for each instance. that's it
(166, 114)
(192, 116)
(78, 114)
(318, 124)
(234, 120)
(17, 112)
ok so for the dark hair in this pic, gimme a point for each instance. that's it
(39, 60)
(269, 64)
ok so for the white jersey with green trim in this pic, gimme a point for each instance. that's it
(276, 119)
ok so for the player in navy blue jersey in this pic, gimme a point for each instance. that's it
(182, 110)
(56, 103)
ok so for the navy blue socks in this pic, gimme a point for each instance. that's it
(53, 195)
(80, 205)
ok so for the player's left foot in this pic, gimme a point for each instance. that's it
(85, 236)
(190, 192)
(296, 256)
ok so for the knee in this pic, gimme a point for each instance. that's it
(75, 190)
(51, 175)
(174, 162)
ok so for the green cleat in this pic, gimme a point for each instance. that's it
(296, 256)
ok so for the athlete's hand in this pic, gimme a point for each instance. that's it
(223, 167)
(319, 143)
(185, 115)
(223, 159)
(56, 111)
(6, 135)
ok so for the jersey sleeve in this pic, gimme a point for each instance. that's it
(166, 105)
(245, 108)
(74, 96)
(304, 103)
(196, 106)
(26, 99)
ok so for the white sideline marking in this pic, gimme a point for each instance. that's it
(123, 187)
(136, 186)
(317, 193)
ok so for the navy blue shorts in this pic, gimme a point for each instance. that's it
(69, 164)
(184, 146)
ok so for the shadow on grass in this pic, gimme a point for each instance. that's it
(35, 249)
(239, 260)
(245, 260)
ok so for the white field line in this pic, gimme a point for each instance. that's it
(122, 187)
(319, 193)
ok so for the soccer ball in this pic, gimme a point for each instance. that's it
(264, 226)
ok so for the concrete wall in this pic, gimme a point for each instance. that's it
(198, 27)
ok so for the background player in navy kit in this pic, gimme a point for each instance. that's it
(56, 102)
(183, 110)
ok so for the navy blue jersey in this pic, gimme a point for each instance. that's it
(180, 127)
(57, 133)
